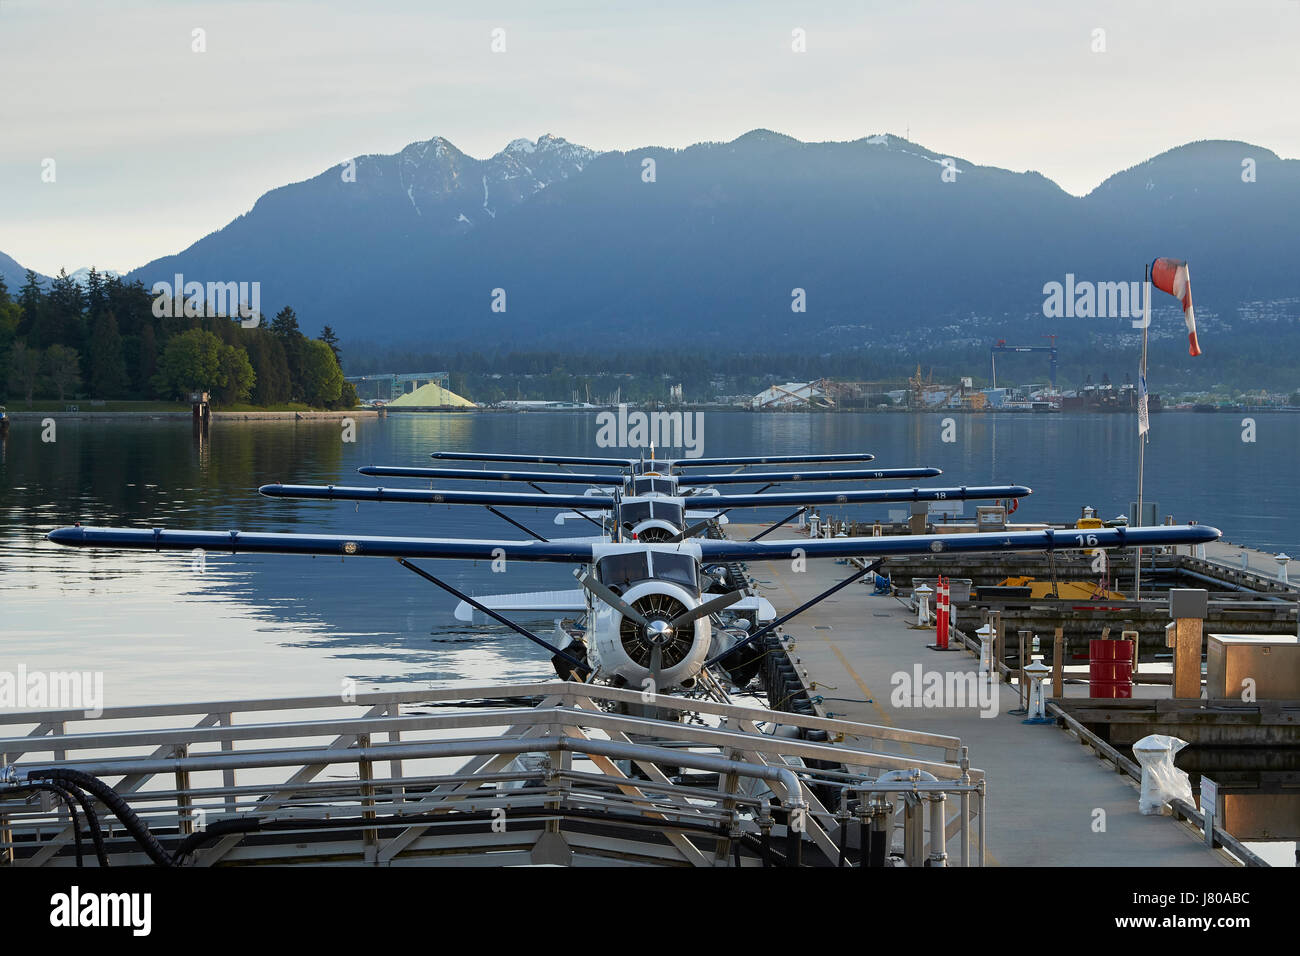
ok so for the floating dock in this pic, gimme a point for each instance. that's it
(1052, 802)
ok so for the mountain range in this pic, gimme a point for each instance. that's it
(895, 246)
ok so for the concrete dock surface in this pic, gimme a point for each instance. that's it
(1051, 801)
(1264, 563)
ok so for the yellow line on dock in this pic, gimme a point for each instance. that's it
(866, 691)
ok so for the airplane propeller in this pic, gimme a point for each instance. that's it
(606, 594)
(707, 608)
(690, 531)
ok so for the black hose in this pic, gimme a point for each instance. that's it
(764, 848)
(66, 784)
(67, 799)
(92, 823)
(218, 829)
(116, 804)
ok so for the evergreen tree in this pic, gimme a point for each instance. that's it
(32, 300)
(95, 299)
(108, 378)
(66, 307)
(329, 338)
(146, 363)
(285, 327)
(266, 353)
(285, 324)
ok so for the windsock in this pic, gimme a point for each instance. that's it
(1170, 275)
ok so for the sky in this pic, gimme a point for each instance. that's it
(155, 144)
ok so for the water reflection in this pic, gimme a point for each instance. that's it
(1257, 795)
(285, 625)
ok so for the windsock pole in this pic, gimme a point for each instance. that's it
(1142, 438)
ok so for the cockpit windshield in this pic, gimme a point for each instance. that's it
(621, 571)
(632, 513)
(678, 568)
(647, 486)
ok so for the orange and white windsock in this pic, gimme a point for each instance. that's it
(1170, 275)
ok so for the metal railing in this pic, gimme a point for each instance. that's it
(546, 772)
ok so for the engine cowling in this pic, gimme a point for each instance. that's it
(622, 647)
(654, 531)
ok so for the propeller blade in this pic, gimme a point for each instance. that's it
(589, 582)
(656, 662)
(690, 532)
(708, 607)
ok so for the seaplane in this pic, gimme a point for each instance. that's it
(653, 477)
(651, 519)
(650, 604)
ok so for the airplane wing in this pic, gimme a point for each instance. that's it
(477, 474)
(431, 497)
(237, 542)
(627, 462)
(787, 499)
(602, 503)
(246, 542)
(568, 602)
(772, 460)
(533, 459)
(1050, 540)
(754, 477)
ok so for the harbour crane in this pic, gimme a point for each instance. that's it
(1001, 346)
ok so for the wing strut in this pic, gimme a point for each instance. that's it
(522, 527)
(799, 610)
(533, 484)
(770, 528)
(577, 664)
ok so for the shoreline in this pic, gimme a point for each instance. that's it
(144, 416)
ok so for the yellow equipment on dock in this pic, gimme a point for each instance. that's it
(1065, 590)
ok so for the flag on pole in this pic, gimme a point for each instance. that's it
(1144, 416)
(1170, 275)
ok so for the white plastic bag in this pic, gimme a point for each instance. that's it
(1161, 780)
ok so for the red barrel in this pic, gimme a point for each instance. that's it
(1110, 669)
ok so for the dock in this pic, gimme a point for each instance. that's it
(1051, 801)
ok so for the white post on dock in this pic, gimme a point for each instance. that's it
(1037, 672)
(986, 635)
(922, 595)
(1282, 560)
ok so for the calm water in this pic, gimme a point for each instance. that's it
(248, 626)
